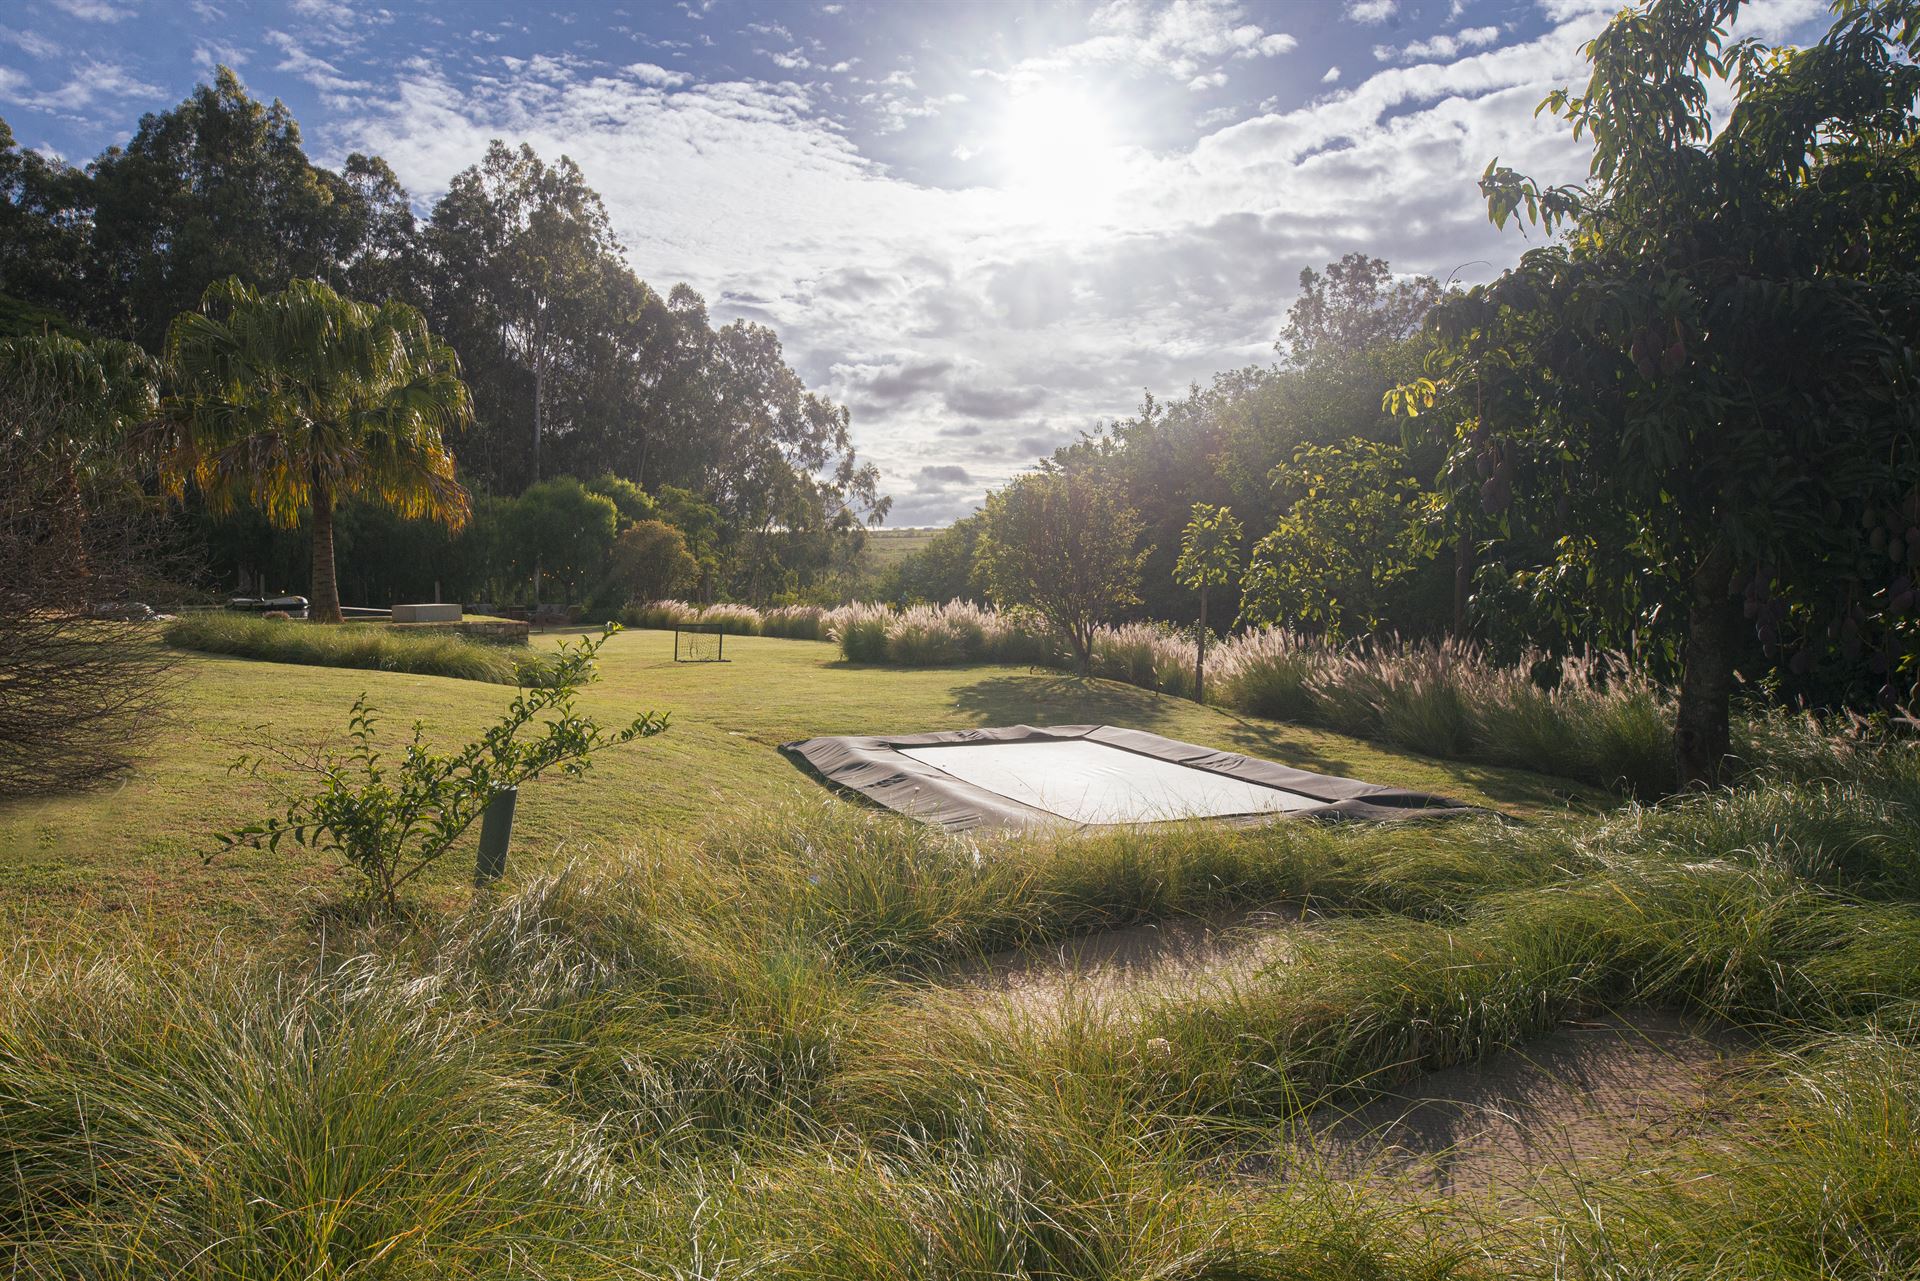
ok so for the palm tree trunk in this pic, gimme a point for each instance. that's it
(324, 607)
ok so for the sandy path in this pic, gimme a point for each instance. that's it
(1605, 1094)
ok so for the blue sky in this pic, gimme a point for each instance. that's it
(982, 226)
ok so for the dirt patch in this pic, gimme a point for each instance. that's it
(1155, 958)
(1602, 1095)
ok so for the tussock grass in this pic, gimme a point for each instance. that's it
(750, 1055)
(358, 645)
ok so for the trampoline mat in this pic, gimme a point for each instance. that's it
(1089, 782)
(1088, 776)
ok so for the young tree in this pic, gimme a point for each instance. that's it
(1063, 542)
(1708, 387)
(651, 562)
(566, 528)
(1349, 536)
(1209, 557)
(392, 818)
(295, 400)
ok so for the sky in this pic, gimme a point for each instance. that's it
(984, 227)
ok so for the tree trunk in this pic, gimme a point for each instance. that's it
(539, 400)
(324, 607)
(1462, 579)
(1701, 734)
(1200, 656)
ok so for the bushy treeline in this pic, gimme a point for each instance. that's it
(576, 366)
(1682, 429)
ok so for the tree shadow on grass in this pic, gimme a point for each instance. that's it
(1053, 699)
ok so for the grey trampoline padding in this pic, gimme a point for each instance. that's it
(1024, 776)
(1088, 782)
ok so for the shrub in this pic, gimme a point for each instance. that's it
(650, 561)
(361, 645)
(391, 821)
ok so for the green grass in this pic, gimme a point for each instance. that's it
(360, 645)
(886, 548)
(132, 854)
(711, 1026)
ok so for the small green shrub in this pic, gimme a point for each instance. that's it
(392, 821)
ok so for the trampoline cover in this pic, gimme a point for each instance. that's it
(1088, 776)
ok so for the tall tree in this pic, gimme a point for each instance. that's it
(1708, 386)
(46, 221)
(295, 400)
(522, 250)
(217, 187)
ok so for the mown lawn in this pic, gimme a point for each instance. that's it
(130, 857)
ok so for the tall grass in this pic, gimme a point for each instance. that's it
(751, 1056)
(361, 645)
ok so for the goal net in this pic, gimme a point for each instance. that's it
(699, 643)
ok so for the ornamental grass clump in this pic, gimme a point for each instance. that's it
(359, 645)
(861, 632)
(794, 622)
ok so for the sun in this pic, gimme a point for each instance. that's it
(1062, 159)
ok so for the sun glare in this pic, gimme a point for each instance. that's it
(1063, 160)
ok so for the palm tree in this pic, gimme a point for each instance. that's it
(296, 400)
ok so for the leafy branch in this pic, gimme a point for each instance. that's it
(391, 819)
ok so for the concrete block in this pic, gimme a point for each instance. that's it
(443, 613)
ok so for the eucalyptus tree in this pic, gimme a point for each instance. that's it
(522, 251)
(1705, 388)
(217, 186)
(295, 400)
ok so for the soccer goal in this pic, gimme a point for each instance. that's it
(699, 643)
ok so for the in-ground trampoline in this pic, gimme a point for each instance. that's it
(1088, 776)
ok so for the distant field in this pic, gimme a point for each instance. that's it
(133, 853)
(888, 547)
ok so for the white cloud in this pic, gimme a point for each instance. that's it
(791, 60)
(1212, 80)
(89, 81)
(968, 331)
(31, 43)
(648, 73)
(1175, 39)
(94, 10)
(316, 71)
(1372, 11)
(209, 54)
(1439, 46)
